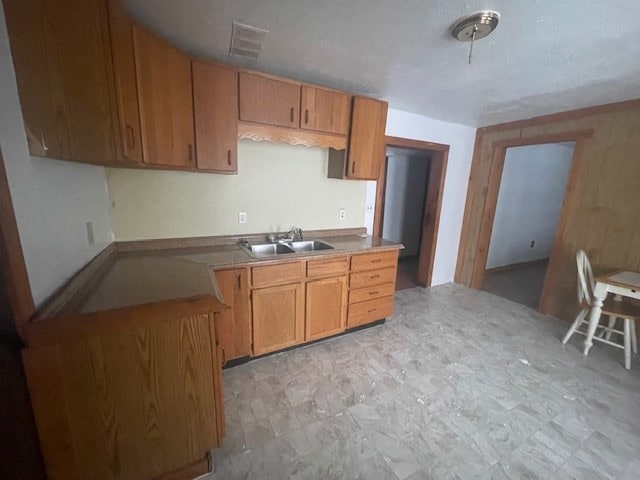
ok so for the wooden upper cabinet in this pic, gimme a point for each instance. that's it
(121, 29)
(62, 58)
(269, 101)
(233, 326)
(163, 75)
(215, 101)
(324, 110)
(367, 140)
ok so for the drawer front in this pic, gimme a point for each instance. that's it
(369, 311)
(327, 266)
(370, 293)
(373, 277)
(276, 274)
(371, 261)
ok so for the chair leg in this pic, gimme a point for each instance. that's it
(627, 343)
(606, 332)
(576, 323)
(634, 338)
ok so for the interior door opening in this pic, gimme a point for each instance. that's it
(530, 197)
(408, 203)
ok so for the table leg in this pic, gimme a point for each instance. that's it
(599, 294)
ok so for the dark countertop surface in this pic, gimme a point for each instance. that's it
(148, 276)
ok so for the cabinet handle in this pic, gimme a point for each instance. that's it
(131, 139)
(239, 282)
(374, 276)
(374, 293)
(44, 144)
(377, 260)
(291, 113)
(353, 167)
(306, 116)
(229, 161)
(190, 152)
(224, 356)
(372, 310)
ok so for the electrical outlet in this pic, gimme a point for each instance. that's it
(342, 215)
(90, 236)
(242, 217)
(369, 208)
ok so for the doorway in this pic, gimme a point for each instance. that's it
(408, 204)
(530, 197)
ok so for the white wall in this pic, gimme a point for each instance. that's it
(529, 202)
(404, 200)
(461, 139)
(279, 186)
(52, 200)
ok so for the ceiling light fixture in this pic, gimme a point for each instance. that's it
(474, 27)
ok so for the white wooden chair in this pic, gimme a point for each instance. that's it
(613, 308)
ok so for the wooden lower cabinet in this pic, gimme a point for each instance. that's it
(326, 312)
(278, 317)
(233, 326)
(139, 401)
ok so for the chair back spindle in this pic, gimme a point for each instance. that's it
(586, 283)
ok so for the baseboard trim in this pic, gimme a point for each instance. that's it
(516, 265)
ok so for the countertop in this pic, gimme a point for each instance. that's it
(148, 276)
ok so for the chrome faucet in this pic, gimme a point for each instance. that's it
(295, 234)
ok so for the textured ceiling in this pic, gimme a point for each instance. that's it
(545, 56)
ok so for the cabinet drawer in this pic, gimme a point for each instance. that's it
(275, 274)
(327, 266)
(372, 261)
(369, 311)
(373, 277)
(370, 293)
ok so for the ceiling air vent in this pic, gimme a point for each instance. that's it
(247, 41)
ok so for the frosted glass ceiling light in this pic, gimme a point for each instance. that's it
(474, 27)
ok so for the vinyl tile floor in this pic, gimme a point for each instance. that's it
(457, 384)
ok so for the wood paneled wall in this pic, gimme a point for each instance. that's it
(603, 215)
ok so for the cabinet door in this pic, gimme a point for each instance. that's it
(326, 307)
(215, 102)
(233, 326)
(367, 139)
(269, 101)
(324, 110)
(278, 318)
(62, 58)
(121, 29)
(163, 75)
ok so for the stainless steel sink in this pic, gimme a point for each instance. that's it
(310, 246)
(267, 249)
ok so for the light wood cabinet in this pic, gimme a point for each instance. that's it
(139, 400)
(215, 102)
(233, 326)
(269, 101)
(120, 27)
(278, 317)
(324, 110)
(62, 58)
(163, 78)
(367, 140)
(326, 312)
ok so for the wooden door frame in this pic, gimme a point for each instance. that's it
(439, 154)
(12, 258)
(499, 151)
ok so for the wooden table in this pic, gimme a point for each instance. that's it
(620, 283)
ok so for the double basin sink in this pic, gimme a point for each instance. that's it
(283, 248)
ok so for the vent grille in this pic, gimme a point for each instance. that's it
(247, 41)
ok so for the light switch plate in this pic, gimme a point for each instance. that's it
(342, 215)
(242, 217)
